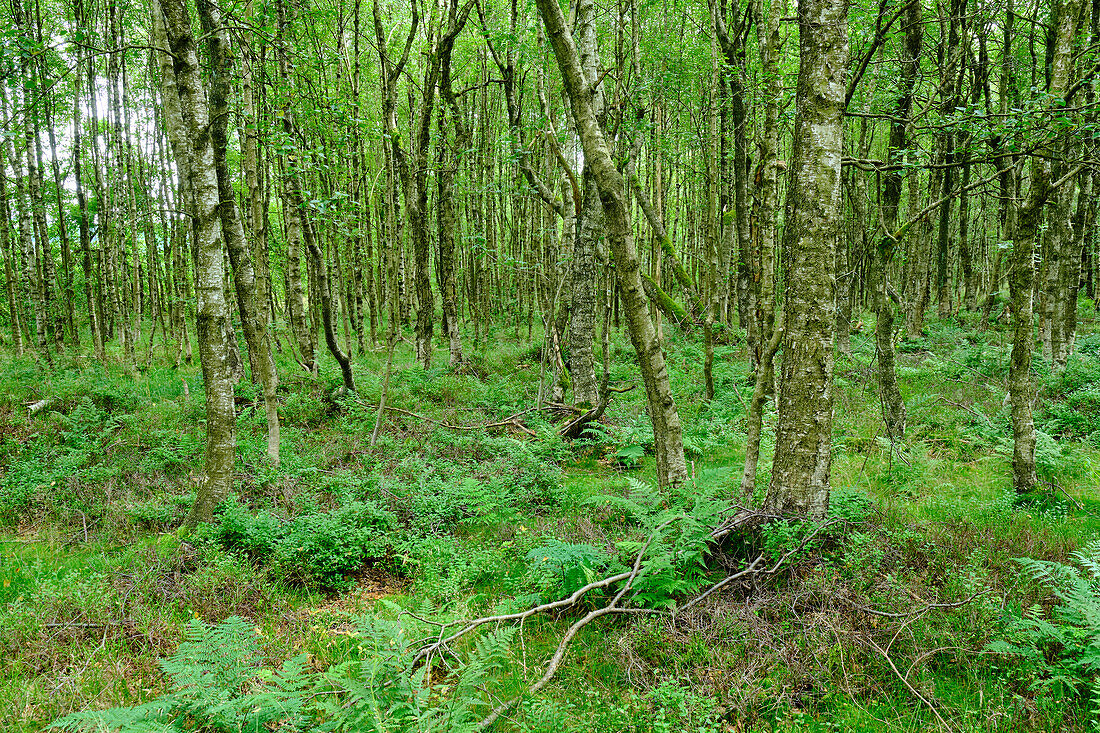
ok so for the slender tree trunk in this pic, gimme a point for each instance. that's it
(27, 253)
(95, 316)
(188, 124)
(7, 249)
(1022, 271)
(240, 257)
(893, 407)
(667, 432)
(803, 445)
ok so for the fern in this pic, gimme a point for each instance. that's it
(643, 504)
(678, 530)
(559, 568)
(216, 683)
(387, 691)
(1062, 653)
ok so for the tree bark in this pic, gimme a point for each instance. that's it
(893, 407)
(240, 257)
(803, 445)
(667, 431)
(191, 132)
(1022, 269)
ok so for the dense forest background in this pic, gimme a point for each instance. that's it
(618, 366)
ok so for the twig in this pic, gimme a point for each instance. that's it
(573, 428)
(741, 399)
(1076, 503)
(916, 611)
(905, 682)
(743, 518)
(961, 406)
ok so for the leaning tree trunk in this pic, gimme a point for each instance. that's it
(188, 125)
(803, 443)
(667, 432)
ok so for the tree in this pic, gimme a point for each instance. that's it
(803, 444)
(189, 128)
(1028, 218)
(667, 432)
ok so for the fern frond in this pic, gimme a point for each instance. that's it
(152, 717)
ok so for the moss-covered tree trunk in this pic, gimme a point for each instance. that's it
(189, 128)
(1021, 277)
(667, 432)
(253, 323)
(803, 445)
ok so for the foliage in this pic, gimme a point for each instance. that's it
(446, 570)
(629, 456)
(677, 538)
(218, 682)
(317, 549)
(1059, 651)
(559, 568)
(1073, 410)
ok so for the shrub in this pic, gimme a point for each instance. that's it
(314, 549)
(321, 549)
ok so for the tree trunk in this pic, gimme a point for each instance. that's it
(7, 250)
(667, 432)
(195, 157)
(244, 276)
(1022, 270)
(893, 407)
(803, 444)
(582, 311)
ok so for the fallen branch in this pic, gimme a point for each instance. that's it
(511, 421)
(555, 661)
(573, 428)
(751, 569)
(1073, 499)
(916, 611)
(743, 519)
(571, 600)
(563, 645)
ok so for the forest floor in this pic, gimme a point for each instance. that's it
(911, 613)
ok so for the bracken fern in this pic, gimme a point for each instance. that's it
(1061, 652)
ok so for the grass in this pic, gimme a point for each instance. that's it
(97, 586)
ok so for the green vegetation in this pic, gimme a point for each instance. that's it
(931, 591)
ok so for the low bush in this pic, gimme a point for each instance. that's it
(319, 550)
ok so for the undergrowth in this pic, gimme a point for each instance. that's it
(302, 606)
